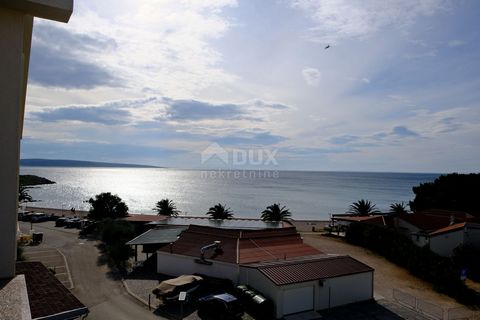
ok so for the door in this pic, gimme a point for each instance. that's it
(298, 299)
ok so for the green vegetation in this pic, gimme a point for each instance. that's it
(363, 208)
(442, 272)
(219, 211)
(23, 195)
(275, 213)
(467, 257)
(449, 192)
(166, 207)
(32, 180)
(398, 208)
(26, 182)
(20, 255)
(114, 234)
(106, 205)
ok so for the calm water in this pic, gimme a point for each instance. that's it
(309, 195)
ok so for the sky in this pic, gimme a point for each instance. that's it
(250, 84)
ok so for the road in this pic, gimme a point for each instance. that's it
(94, 284)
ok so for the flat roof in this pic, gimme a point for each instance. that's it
(245, 224)
(48, 297)
(309, 269)
(157, 236)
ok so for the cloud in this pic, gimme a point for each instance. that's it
(345, 139)
(197, 110)
(344, 19)
(456, 43)
(61, 59)
(249, 138)
(145, 112)
(402, 131)
(311, 76)
(162, 47)
(107, 115)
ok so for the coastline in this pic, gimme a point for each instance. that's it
(300, 224)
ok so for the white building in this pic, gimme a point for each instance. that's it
(275, 262)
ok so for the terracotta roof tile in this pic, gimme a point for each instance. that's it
(453, 227)
(296, 271)
(426, 222)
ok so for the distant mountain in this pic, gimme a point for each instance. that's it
(77, 163)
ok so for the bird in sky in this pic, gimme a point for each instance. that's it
(328, 46)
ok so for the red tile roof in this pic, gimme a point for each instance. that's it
(426, 222)
(296, 271)
(453, 227)
(47, 295)
(242, 246)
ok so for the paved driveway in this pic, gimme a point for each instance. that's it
(53, 260)
(94, 284)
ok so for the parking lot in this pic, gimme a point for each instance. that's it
(53, 260)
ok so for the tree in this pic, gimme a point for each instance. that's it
(363, 208)
(398, 208)
(106, 205)
(219, 211)
(23, 195)
(114, 234)
(275, 213)
(166, 207)
(449, 192)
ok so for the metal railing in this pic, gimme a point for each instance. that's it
(430, 309)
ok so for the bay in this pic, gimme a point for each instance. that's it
(308, 195)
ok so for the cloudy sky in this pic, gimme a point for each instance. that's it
(160, 82)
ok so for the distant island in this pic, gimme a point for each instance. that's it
(77, 163)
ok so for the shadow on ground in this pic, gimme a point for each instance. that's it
(371, 310)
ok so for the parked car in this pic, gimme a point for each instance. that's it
(169, 290)
(219, 306)
(73, 222)
(39, 217)
(60, 222)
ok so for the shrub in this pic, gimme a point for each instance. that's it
(442, 272)
(114, 234)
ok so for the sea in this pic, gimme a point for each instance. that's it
(308, 195)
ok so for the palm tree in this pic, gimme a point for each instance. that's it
(166, 207)
(219, 211)
(398, 208)
(363, 208)
(275, 213)
(23, 195)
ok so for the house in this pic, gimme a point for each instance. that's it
(442, 231)
(276, 262)
(443, 241)
(310, 284)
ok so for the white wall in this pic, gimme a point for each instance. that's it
(334, 292)
(15, 29)
(349, 289)
(472, 236)
(177, 265)
(444, 244)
